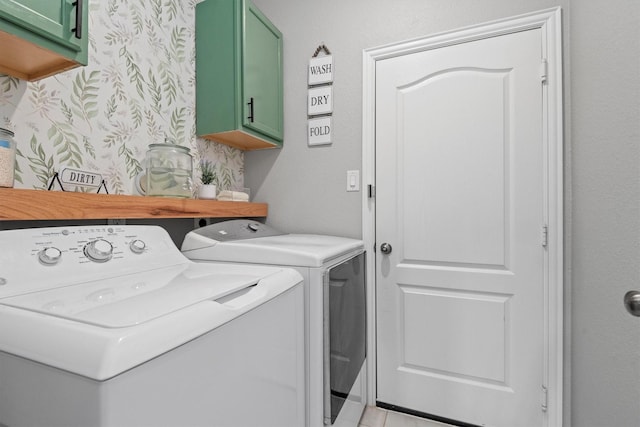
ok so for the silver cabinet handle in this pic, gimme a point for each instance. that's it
(632, 302)
(386, 248)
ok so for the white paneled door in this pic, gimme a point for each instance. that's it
(460, 230)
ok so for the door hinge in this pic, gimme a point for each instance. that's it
(545, 236)
(545, 399)
(371, 191)
(544, 69)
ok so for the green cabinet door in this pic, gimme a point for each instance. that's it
(238, 75)
(262, 73)
(58, 26)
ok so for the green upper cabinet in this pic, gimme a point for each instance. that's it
(40, 38)
(238, 75)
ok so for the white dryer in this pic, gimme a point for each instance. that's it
(113, 326)
(335, 319)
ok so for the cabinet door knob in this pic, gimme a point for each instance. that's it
(250, 104)
(78, 29)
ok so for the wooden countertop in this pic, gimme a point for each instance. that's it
(22, 204)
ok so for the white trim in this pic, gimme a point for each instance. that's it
(549, 21)
(368, 213)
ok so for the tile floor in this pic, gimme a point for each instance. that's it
(376, 417)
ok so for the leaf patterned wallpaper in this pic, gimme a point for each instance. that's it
(138, 89)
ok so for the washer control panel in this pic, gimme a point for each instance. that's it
(95, 244)
(42, 258)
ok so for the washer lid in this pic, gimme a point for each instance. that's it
(302, 250)
(136, 298)
(80, 329)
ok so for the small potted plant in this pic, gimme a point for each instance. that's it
(207, 174)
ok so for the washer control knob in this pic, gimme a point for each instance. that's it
(99, 250)
(50, 255)
(137, 246)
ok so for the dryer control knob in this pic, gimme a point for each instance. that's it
(137, 246)
(99, 250)
(50, 256)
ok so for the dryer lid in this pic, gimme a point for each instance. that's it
(266, 246)
(133, 299)
(299, 250)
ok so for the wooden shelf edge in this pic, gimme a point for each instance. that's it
(22, 204)
(242, 140)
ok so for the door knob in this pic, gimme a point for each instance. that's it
(632, 302)
(385, 248)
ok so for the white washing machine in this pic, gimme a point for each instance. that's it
(113, 326)
(335, 322)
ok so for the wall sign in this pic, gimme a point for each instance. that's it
(321, 70)
(319, 131)
(320, 100)
(320, 97)
(76, 178)
(80, 178)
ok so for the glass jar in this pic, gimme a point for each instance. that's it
(169, 171)
(7, 158)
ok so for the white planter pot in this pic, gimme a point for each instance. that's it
(207, 191)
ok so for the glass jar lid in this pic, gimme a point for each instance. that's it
(170, 147)
(7, 131)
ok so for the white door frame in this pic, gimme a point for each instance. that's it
(549, 21)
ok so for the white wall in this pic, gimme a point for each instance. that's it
(605, 137)
(305, 187)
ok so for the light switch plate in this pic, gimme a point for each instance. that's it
(353, 180)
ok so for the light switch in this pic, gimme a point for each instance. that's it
(353, 180)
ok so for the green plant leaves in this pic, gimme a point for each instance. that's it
(85, 95)
(65, 140)
(178, 122)
(8, 83)
(39, 164)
